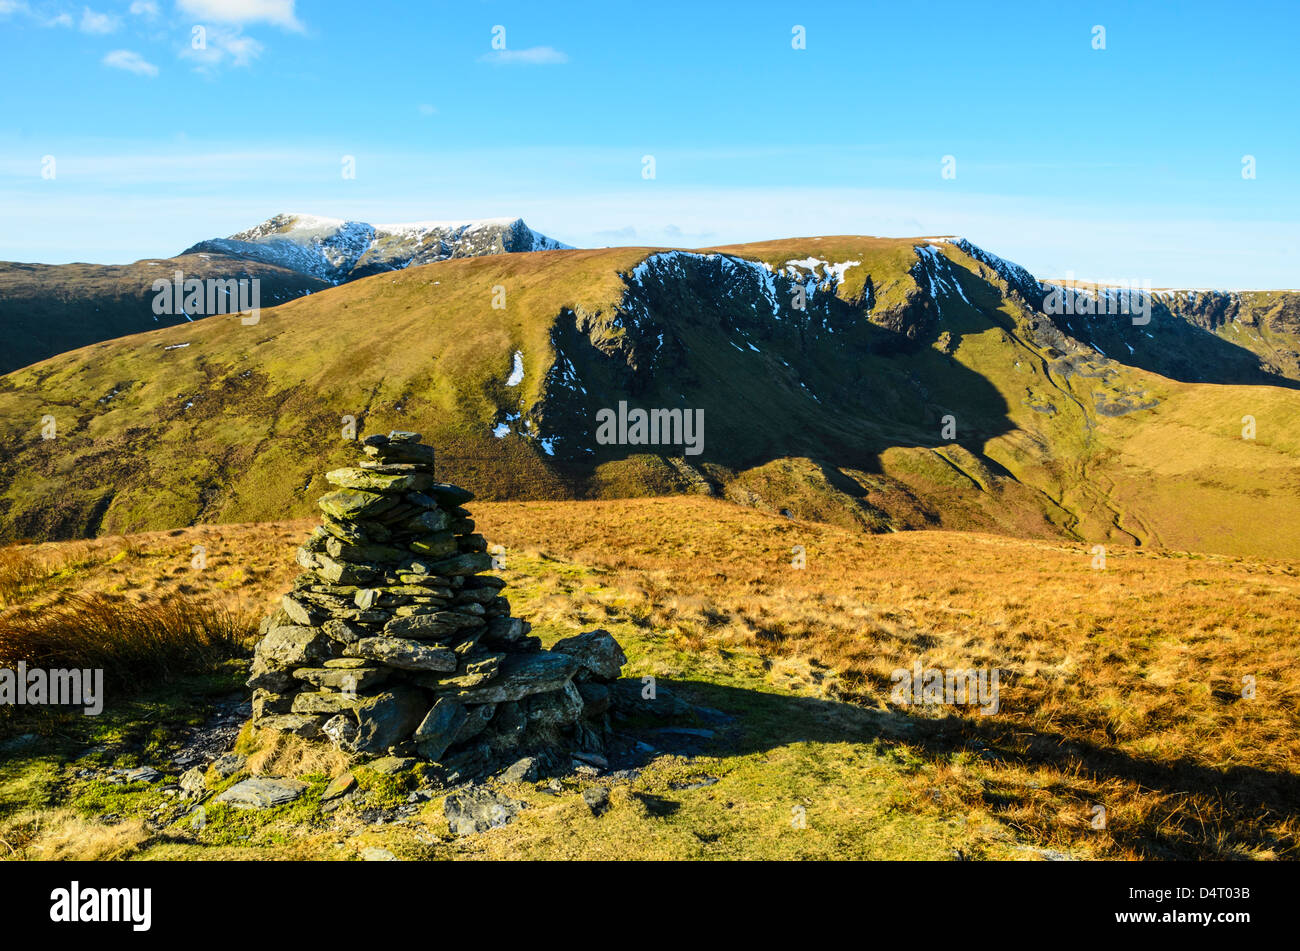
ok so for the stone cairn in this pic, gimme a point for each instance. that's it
(393, 641)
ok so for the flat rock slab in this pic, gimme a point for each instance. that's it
(433, 625)
(293, 645)
(365, 554)
(372, 481)
(339, 786)
(297, 724)
(521, 675)
(345, 679)
(348, 504)
(391, 765)
(311, 702)
(227, 764)
(477, 810)
(402, 452)
(597, 651)
(262, 793)
(470, 563)
(521, 771)
(403, 653)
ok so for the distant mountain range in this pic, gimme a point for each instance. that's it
(335, 250)
(879, 383)
(48, 309)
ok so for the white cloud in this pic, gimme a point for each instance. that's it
(533, 56)
(92, 22)
(224, 47)
(20, 6)
(132, 62)
(426, 109)
(278, 12)
(145, 8)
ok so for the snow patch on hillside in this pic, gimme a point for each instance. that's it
(938, 273)
(1015, 275)
(833, 273)
(420, 227)
(517, 372)
(814, 274)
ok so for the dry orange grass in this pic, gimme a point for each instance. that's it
(18, 571)
(119, 606)
(61, 835)
(279, 754)
(1120, 688)
(242, 567)
(135, 645)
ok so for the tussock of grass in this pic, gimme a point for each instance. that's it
(135, 644)
(62, 835)
(279, 754)
(18, 571)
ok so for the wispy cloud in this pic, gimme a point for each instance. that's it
(533, 56)
(277, 12)
(9, 7)
(92, 22)
(221, 47)
(189, 164)
(132, 62)
(624, 234)
(427, 110)
(144, 8)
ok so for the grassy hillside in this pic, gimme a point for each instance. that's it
(836, 411)
(1232, 337)
(1120, 687)
(46, 309)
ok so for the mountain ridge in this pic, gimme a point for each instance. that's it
(337, 250)
(837, 411)
(46, 309)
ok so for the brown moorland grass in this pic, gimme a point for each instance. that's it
(1121, 688)
(136, 644)
(62, 835)
(241, 566)
(18, 570)
(281, 754)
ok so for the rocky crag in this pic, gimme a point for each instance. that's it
(395, 642)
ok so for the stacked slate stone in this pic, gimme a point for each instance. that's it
(394, 641)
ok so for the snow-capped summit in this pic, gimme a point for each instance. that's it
(336, 250)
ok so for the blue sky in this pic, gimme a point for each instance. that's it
(1115, 163)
